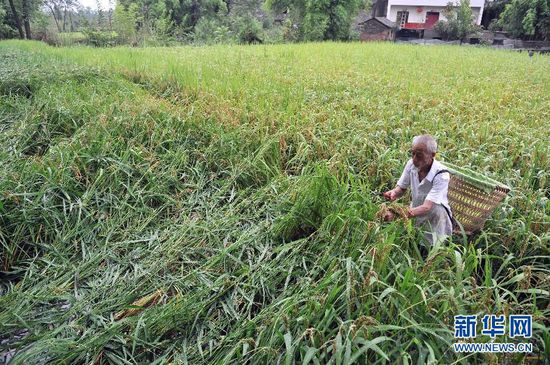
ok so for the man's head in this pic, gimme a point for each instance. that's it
(423, 151)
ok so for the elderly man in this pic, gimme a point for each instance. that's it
(429, 184)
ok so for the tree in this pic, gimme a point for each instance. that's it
(528, 19)
(460, 22)
(492, 11)
(26, 14)
(187, 13)
(21, 14)
(210, 30)
(247, 20)
(100, 15)
(16, 19)
(125, 22)
(249, 30)
(66, 14)
(54, 6)
(5, 30)
(320, 19)
(110, 14)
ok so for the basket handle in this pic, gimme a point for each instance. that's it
(454, 222)
(440, 172)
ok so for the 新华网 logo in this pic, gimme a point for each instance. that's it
(517, 327)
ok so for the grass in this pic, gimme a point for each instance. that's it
(218, 204)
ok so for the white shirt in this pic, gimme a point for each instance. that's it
(435, 190)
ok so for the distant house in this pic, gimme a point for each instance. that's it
(419, 15)
(376, 29)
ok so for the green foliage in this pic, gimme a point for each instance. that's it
(320, 20)
(98, 38)
(460, 22)
(315, 23)
(187, 13)
(367, 6)
(68, 39)
(494, 25)
(214, 22)
(528, 19)
(492, 11)
(211, 31)
(274, 34)
(290, 31)
(164, 30)
(249, 30)
(6, 31)
(126, 20)
(41, 26)
(26, 12)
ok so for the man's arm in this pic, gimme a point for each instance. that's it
(435, 196)
(421, 209)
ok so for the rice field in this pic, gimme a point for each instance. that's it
(218, 205)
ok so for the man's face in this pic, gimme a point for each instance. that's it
(421, 157)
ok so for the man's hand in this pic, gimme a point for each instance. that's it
(389, 195)
(393, 194)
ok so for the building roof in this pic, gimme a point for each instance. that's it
(384, 21)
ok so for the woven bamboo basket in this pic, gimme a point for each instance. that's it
(472, 197)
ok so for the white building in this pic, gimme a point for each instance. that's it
(419, 14)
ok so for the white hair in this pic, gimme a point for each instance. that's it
(426, 139)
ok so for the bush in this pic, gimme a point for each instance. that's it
(460, 22)
(291, 31)
(250, 31)
(211, 31)
(164, 32)
(99, 38)
(273, 35)
(494, 26)
(448, 30)
(7, 32)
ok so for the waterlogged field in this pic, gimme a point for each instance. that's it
(218, 204)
